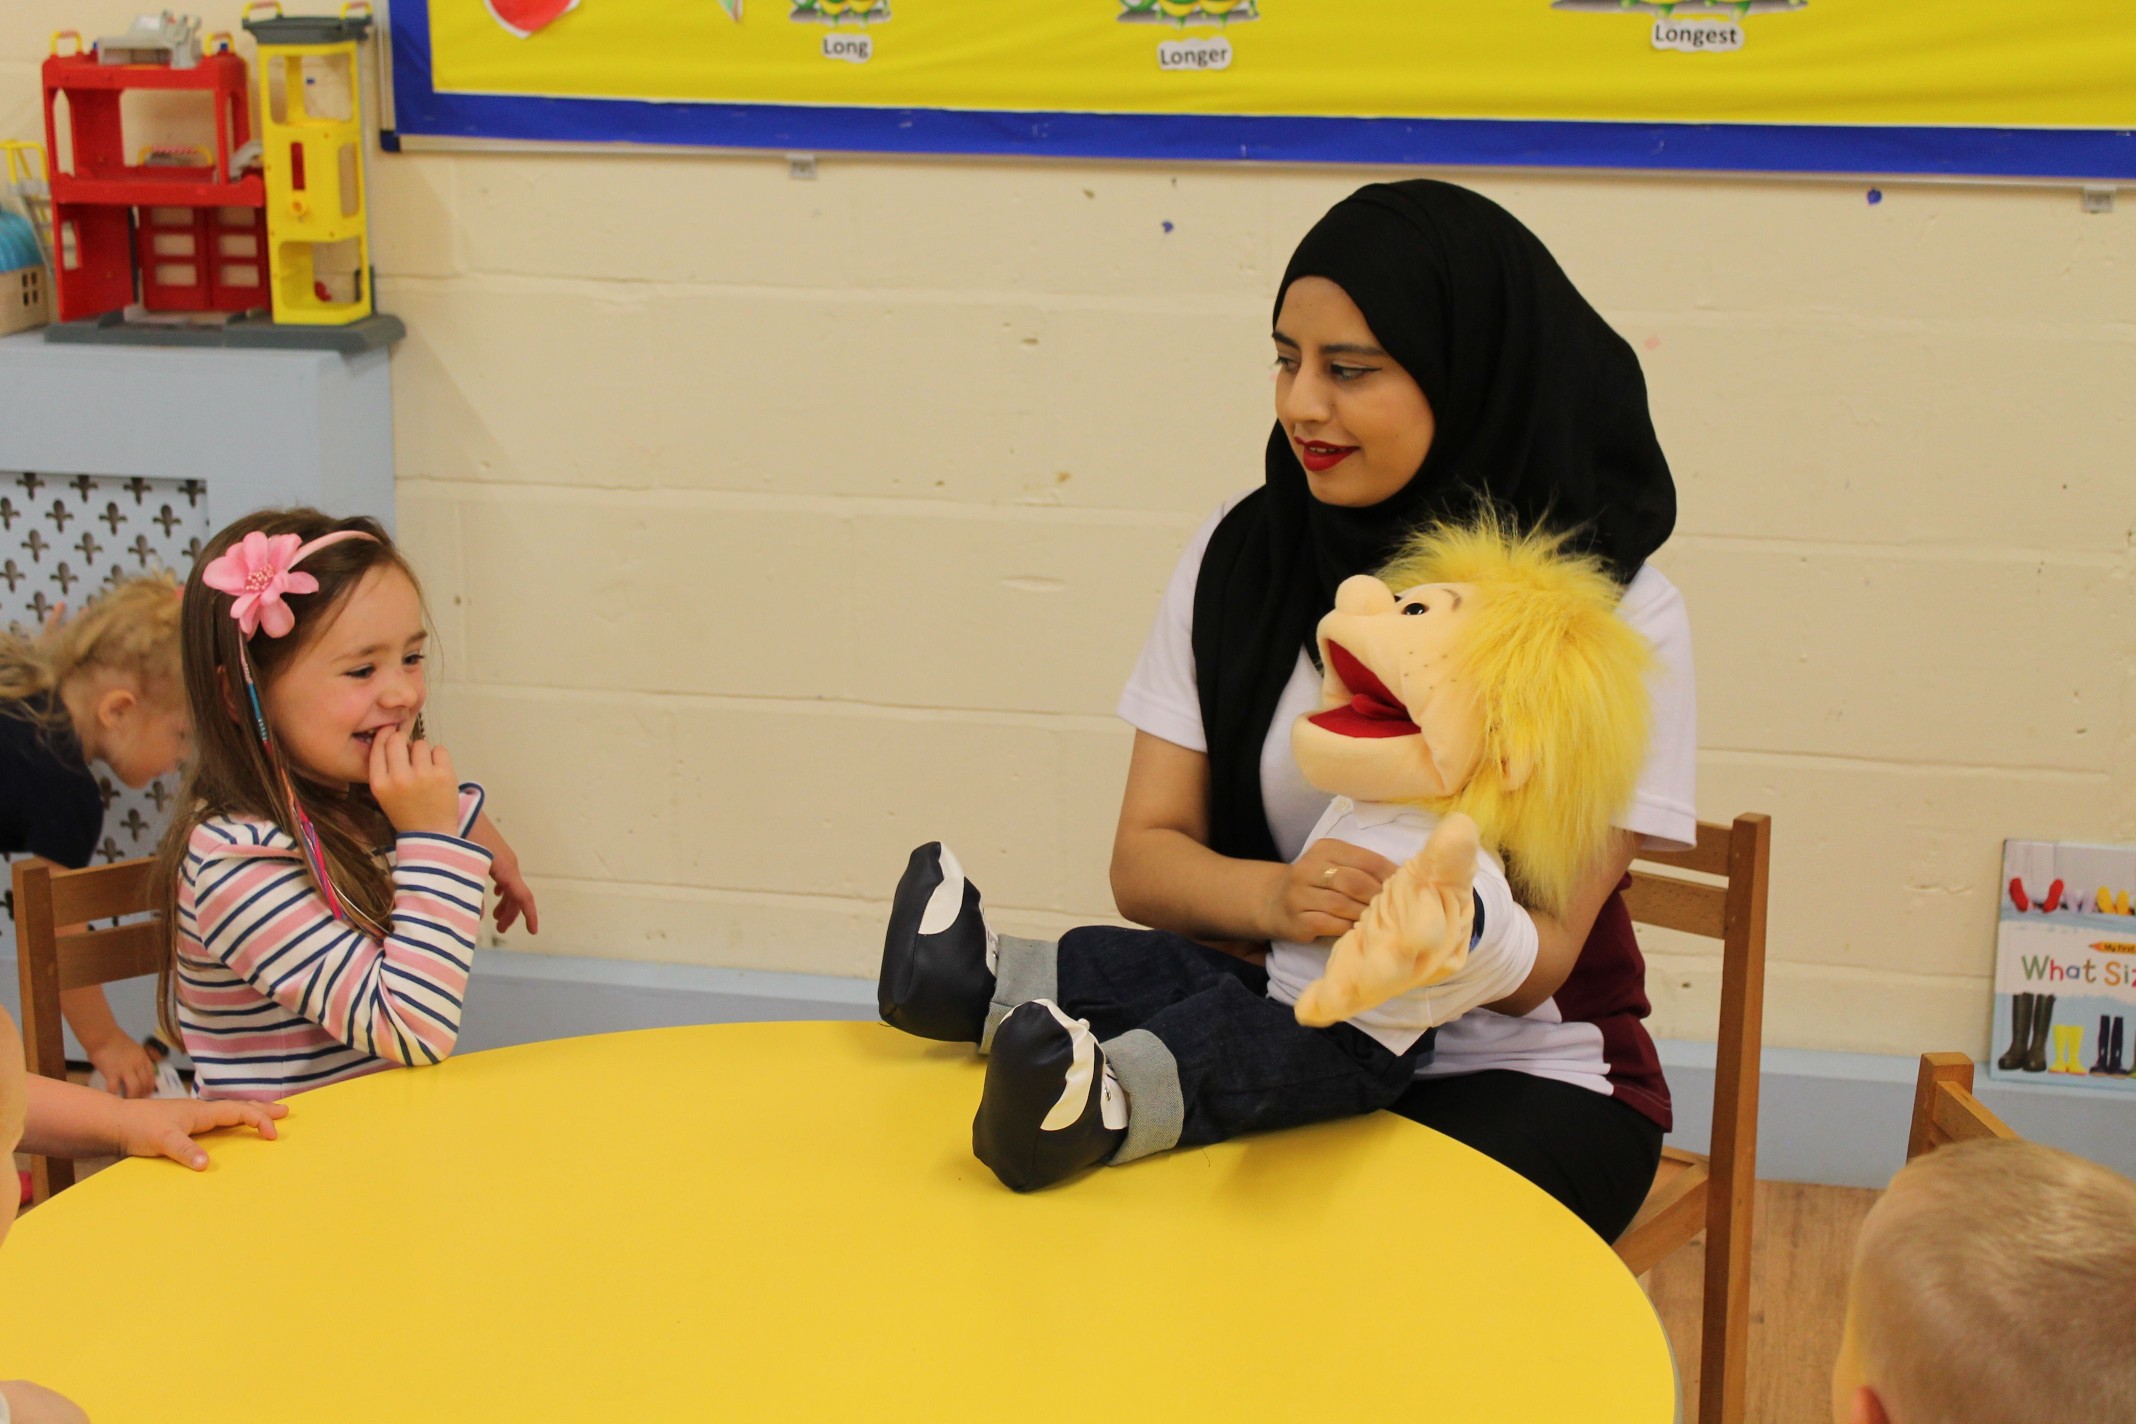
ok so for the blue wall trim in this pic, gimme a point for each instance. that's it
(1757, 148)
(1834, 1118)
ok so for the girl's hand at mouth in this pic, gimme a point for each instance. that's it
(414, 783)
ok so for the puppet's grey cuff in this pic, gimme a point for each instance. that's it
(1149, 1075)
(1026, 969)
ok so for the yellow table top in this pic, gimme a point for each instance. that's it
(785, 1221)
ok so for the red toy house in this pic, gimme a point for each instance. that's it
(193, 233)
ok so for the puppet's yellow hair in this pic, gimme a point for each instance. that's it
(1565, 694)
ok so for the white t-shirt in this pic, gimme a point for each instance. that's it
(1161, 698)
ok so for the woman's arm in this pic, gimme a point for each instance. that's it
(1164, 875)
(1559, 939)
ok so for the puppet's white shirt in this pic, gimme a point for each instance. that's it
(1497, 964)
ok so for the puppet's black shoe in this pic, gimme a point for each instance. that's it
(1050, 1107)
(938, 955)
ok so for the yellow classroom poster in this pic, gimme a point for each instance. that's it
(1963, 85)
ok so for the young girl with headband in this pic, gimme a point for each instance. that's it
(325, 881)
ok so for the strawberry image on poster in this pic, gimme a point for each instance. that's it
(524, 17)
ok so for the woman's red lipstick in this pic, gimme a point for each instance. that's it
(1318, 455)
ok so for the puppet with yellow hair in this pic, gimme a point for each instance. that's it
(1483, 720)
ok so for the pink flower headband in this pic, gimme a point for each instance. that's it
(259, 569)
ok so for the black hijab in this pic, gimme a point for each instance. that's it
(1540, 409)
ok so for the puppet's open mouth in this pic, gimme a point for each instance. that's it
(1372, 710)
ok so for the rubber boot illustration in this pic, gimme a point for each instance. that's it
(2068, 1049)
(2020, 1030)
(2042, 1018)
(2106, 1041)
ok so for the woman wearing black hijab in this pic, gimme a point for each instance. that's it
(1431, 356)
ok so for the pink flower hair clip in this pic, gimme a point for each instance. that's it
(258, 570)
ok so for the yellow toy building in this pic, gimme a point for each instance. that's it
(311, 126)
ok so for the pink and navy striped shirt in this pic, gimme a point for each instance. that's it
(276, 996)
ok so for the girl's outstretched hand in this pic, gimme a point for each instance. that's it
(165, 1127)
(514, 896)
(414, 784)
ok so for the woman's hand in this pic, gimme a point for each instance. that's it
(414, 784)
(514, 897)
(165, 1127)
(1324, 891)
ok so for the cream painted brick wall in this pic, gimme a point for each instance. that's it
(771, 527)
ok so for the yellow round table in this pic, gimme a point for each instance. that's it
(784, 1221)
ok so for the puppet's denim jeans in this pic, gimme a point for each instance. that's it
(1200, 1049)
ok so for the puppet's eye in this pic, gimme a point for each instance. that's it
(1410, 608)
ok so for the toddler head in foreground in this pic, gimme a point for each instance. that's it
(1994, 1282)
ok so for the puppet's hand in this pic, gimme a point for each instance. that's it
(1415, 932)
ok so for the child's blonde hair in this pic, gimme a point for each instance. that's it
(1996, 1281)
(1567, 697)
(130, 629)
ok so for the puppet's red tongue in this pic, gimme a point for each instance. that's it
(1372, 710)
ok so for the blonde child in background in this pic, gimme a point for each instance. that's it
(100, 687)
(325, 876)
(47, 1116)
(1994, 1283)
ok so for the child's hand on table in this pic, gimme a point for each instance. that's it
(34, 1404)
(514, 897)
(165, 1127)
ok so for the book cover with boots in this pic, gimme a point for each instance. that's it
(2065, 966)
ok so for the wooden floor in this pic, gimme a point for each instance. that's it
(1801, 1248)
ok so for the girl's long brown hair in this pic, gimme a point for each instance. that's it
(231, 774)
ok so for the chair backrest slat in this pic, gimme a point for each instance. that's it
(1677, 904)
(103, 892)
(100, 956)
(1708, 857)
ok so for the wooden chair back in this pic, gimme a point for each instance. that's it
(1945, 1110)
(47, 898)
(1714, 1192)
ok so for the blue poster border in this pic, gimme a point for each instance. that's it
(419, 109)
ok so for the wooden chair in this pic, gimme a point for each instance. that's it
(1714, 1193)
(47, 897)
(1945, 1109)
